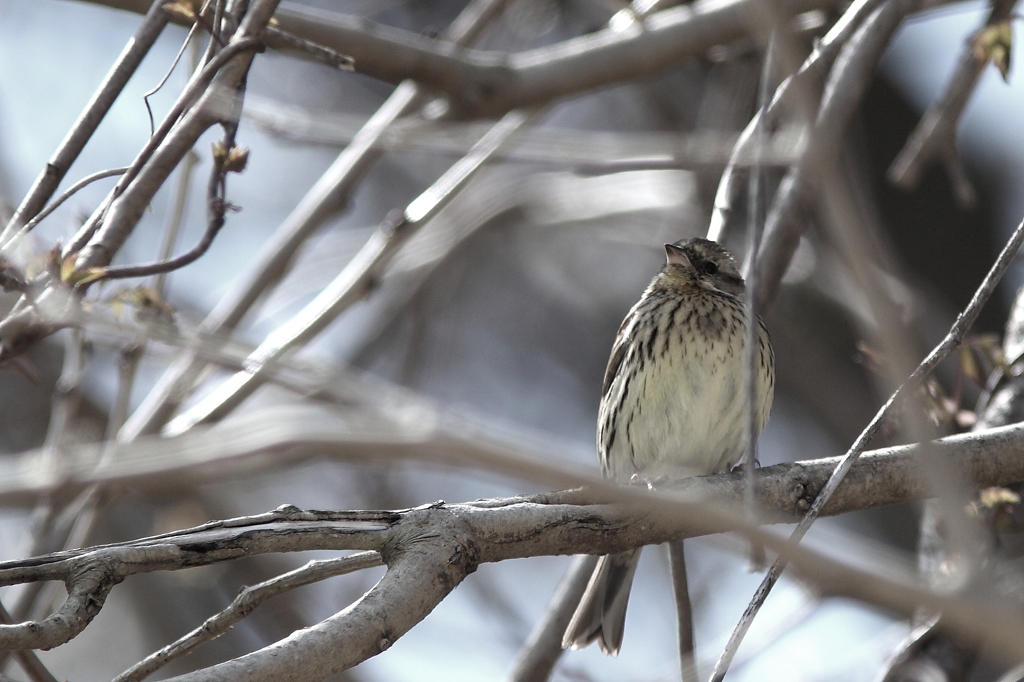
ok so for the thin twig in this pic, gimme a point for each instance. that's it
(356, 279)
(68, 396)
(127, 62)
(244, 604)
(167, 74)
(752, 333)
(215, 28)
(324, 55)
(934, 138)
(951, 342)
(175, 218)
(218, 207)
(195, 89)
(538, 656)
(821, 57)
(67, 194)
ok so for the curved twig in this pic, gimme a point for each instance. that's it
(216, 207)
(244, 604)
(188, 98)
(67, 194)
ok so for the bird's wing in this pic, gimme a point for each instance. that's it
(619, 349)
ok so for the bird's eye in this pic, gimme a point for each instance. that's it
(710, 268)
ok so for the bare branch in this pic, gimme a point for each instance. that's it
(328, 196)
(320, 53)
(543, 648)
(590, 150)
(836, 203)
(67, 194)
(356, 279)
(786, 95)
(26, 658)
(244, 604)
(175, 139)
(487, 84)
(217, 207)
(430, 549)
(948, 344)
(129, 60)
(850, 77)
(785, 491)
(935, 135)
(25, 326)
(684, 607)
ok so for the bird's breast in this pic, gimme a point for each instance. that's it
(676, 405)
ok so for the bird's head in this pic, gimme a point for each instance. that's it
(701, 263)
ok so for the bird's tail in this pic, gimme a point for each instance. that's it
(601, 614)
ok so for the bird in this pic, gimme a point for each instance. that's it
(673, 403)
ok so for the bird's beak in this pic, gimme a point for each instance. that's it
(676, 256)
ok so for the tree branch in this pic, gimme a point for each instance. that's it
(225, 72)
(935, 135)
(244, 604)
(356, 279)
(328, 196)
(120, 213)
(292, 434)
(793, 90)
(479, 83)
(848, 80)
(429, 550)
(90, 118)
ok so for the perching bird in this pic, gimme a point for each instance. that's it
(673, 403)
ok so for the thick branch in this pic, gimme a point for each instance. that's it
(428, 561)
(488, 84)
(429, 550)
